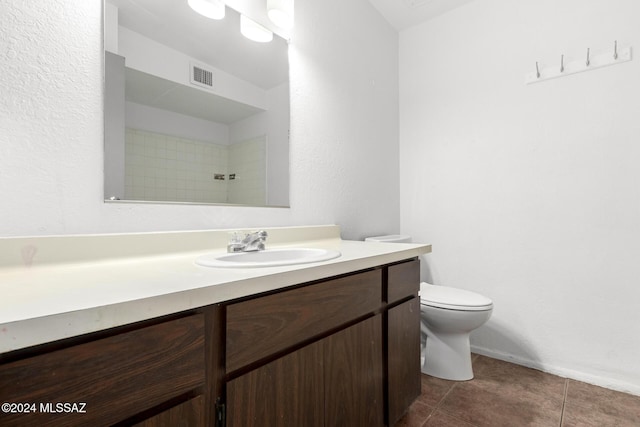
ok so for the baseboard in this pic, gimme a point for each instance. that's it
(561, 372)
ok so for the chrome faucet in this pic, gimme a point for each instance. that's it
(251, 242)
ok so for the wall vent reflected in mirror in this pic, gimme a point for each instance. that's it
(200, 76)
(189, 100)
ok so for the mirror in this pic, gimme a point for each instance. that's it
(194, 111)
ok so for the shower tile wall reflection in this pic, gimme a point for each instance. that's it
(165, 168)
(247, 161)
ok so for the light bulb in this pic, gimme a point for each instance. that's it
(280, 12)
(213, 9)
(254, 31)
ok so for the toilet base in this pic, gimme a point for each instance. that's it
(448, 356)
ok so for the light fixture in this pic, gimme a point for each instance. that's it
(280, 12)
(254, 31)
(213, 9)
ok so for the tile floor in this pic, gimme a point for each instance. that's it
(504, 394)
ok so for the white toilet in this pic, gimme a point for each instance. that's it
(448, 317)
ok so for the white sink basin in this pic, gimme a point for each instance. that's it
(267, 258)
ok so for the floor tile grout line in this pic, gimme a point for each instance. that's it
(445, 412)
(564, 400)
(441, 401)
(445, 396)
(435, 408)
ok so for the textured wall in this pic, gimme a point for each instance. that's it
(529, 194)
(344, 126)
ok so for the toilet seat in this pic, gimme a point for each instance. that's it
(453, 298)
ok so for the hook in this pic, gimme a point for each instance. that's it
(562, 63)
(537, 70)
(588, 61)
(615, 49)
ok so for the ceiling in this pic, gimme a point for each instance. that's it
(403, 14)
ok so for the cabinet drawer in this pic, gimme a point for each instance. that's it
(117, 377)
(403, 280)
(263, 326)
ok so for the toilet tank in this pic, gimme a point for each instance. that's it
(390, 238)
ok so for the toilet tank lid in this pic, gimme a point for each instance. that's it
(390, 238)
(446, 297)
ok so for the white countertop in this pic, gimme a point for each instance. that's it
(46, 295)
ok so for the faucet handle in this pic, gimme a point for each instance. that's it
(255, 235)
(235, 243)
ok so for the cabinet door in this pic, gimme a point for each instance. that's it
(286, 392)
(353, 374)
(188, 414)
(110, 379)
(403, 357)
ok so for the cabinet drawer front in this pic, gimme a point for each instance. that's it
(403, 280)
(117, 377)
(263, 326)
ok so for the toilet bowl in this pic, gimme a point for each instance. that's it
(448, 316)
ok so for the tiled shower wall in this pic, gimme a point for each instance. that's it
(166, 168)
(247, 161)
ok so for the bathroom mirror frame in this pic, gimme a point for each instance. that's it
(250, 109)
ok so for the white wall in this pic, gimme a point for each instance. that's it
(529, 194)
(278, 146)
(344, 135)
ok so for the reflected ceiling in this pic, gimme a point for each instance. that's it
(146, 89)
(174, 24)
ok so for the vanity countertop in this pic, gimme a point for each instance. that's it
(62, 286)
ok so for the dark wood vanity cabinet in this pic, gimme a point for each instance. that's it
(336, 380)
(337, 352)
(343, 352)
(108, 377)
